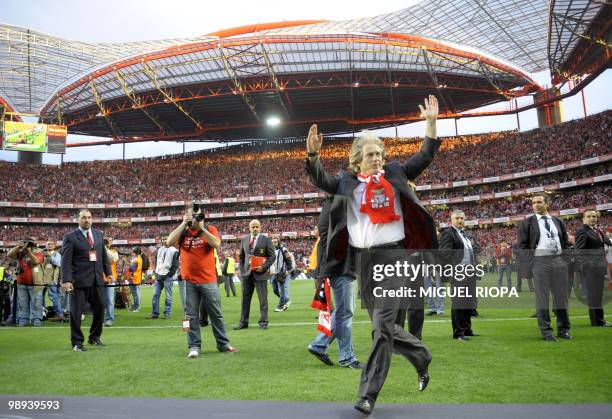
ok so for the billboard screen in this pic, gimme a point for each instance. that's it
(23, 136)
(56, 139)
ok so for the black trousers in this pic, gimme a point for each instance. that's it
(550, 278)
(387, 335)
(5, 300)
(463, 307)
(249, 285)
(595, 282)
(78, 300)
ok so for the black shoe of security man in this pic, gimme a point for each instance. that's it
(95, 342)
(242, 326)
(321, 356)
(79, 348)
(364, 405)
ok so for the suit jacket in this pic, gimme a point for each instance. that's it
(590, 250)
(419, 227)
(529, 236)
(263, 248)
(76, 267)
(452, 247)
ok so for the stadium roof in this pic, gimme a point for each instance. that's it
(579, 39)
(359, 73)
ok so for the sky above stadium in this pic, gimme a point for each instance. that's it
(139, 20)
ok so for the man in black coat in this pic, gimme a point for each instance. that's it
(543, 239)
(457, 248)
(374, 217)
(591, 262)
(84, 264)
(259, 246)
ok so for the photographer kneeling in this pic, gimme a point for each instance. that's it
(196, 242)
(29, 297)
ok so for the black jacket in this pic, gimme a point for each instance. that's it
(76, 267)
(590, 250)
(529, 236)
(419, 227)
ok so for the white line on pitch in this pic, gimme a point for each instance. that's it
(283, 324)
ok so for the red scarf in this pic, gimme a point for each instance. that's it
(323, 302)
(378, 199)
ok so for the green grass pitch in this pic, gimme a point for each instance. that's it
(509, 363)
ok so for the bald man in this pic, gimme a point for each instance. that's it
(256, 245)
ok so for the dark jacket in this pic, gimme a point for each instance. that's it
(76, 267)
(419, 227)
(326, 268)
(529, 236)
(590, 250)
(452, 248)
(263, 248)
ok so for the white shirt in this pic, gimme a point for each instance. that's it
(549, 243)
(468, 250)
(164, 260)
(364, 234)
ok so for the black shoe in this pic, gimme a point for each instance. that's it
(95, 342)
(423, 381)
(263, 326)
(550, 338)
(364, 405)
(431, 313)
(472, 334)
(463, 338)
(79, 348)
(355, 365)
(323, 357)
(564, 335)
(241, 326)
(605, 324)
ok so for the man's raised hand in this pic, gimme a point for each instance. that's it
(430, 111)
(314, 140)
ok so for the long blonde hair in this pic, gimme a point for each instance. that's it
(356, 152)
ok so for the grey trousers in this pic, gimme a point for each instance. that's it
(550, 277)
(387, 335)
(249, 284)
(208, 294)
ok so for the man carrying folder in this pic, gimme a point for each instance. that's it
(256, 257)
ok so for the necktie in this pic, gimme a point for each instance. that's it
(90, 239)
(251, 243)
(547, 226)
(599, 234)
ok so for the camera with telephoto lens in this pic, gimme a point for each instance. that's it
(197, 216)
(28, 243)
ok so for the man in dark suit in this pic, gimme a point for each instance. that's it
(374, 217)
(84, 264)
(457, 248)
(592, 263)
(543, 239)
(259, 246)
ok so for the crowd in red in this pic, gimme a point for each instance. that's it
(248, 170)
(252, 169)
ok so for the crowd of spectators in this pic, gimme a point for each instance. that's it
(252, 169)
(577, 197)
